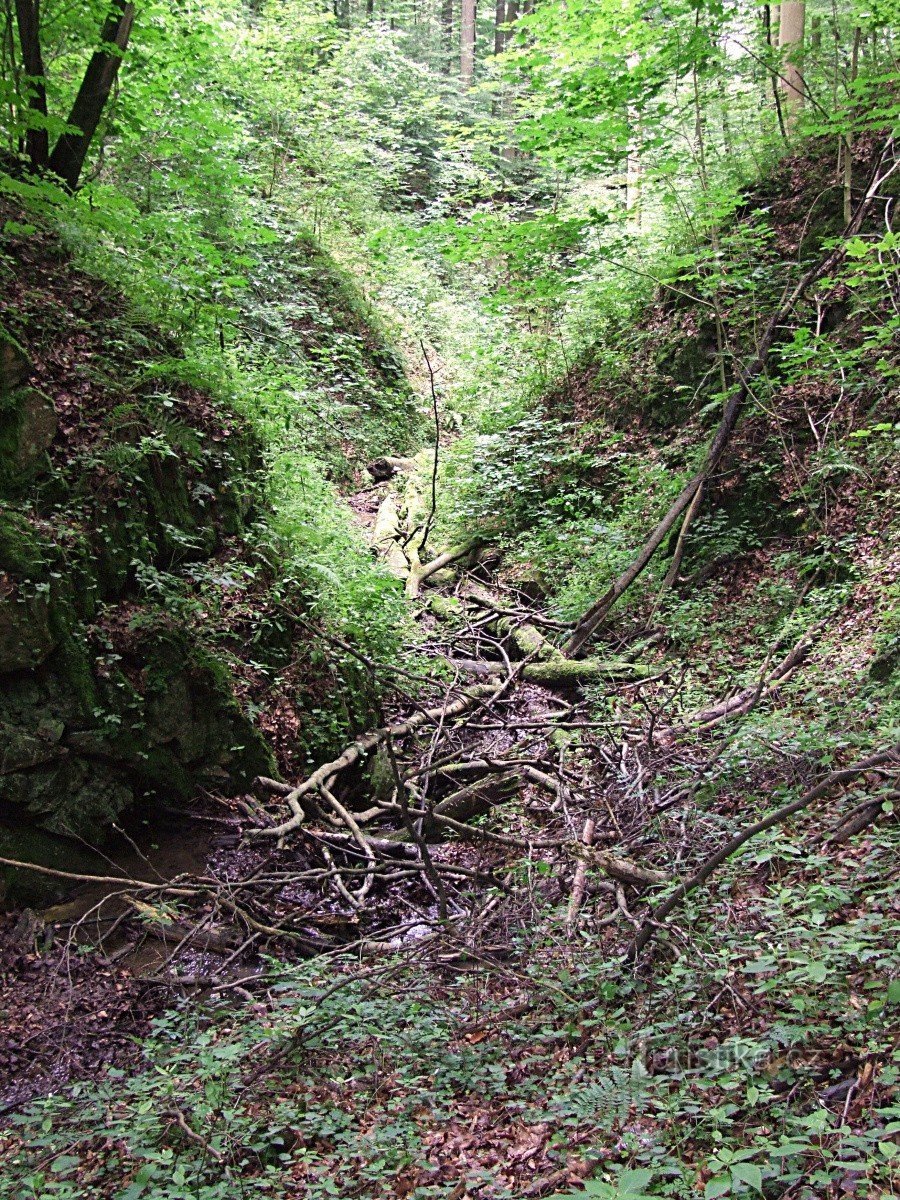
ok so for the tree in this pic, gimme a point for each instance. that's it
(499, 21)
(512, 15)
(447, 30)
(69, 154)
(28, 24)
(467, 42)
(793, 20)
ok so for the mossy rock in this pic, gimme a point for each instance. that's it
(26, 639)
(27, 844)
(14, 364)
(28, 425)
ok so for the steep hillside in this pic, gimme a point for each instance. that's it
(149, 646)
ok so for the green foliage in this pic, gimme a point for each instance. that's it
(677, 1088)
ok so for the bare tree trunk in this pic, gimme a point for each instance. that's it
(447, 30)
(67, 159)
(771, 20)
(467, 43)
(793, 21)
(28, 22)
(512, 15)
(845, 147)
(633, 158)
(499, 21)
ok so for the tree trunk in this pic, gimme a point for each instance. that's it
(633, 158)
(793, 20)
(28, 22)
(467, 43)
(512, 15)
(499, 21)
(70, 152)
(447, 34)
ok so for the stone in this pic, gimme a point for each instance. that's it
(25, 636)
(28, 425)
(14, 366)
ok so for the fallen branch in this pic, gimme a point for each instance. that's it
(362, 746)
(122, 880)
(419, 572)
(580, 881)
(747, 699)
(647, 930)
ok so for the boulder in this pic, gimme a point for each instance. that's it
(14, 367)
(25, 636)
(28, 425)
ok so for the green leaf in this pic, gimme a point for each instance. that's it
(748, 1173)
(65, 1162)
(633, 1184)
(719, 1185)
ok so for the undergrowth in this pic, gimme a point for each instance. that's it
(726, 1071)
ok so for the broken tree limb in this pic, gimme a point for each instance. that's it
(580, 881)
(597, 613)
(475, 799)
(419, 572)
(362, 746)
(890, 754)
(547, 665)
(626, 870)
(681, 544)
(567, 672)
(747, 699)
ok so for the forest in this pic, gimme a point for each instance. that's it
(449, 580)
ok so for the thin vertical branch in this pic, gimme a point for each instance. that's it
(437, 446)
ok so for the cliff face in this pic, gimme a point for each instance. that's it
(112, 471)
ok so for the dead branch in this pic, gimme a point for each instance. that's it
(890, 754)
(120, 880)
(419, 572)
(747, 699)
(628, 871)
(580, 881)
(362, 746)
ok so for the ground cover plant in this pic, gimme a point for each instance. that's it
(449, 649)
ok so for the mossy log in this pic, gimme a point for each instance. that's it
(568, 672)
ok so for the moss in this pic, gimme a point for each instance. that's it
(22, 551)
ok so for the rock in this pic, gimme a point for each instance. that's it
(25, 636)
(24, 749)
(885, 663)
(14, 367)
(28, 425)
(387, 467)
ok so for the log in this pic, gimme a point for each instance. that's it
(628, 871)
(569, 672)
